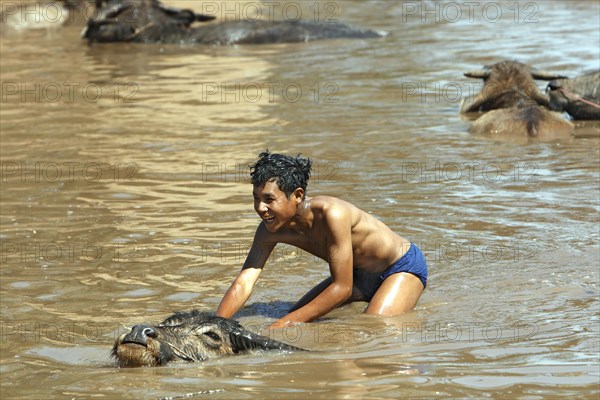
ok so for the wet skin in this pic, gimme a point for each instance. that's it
(335, 231)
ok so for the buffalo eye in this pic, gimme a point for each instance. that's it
(212, 335)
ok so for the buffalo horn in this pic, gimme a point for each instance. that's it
(481, 74)
(545, 75)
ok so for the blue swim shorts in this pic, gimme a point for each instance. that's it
(413, 261)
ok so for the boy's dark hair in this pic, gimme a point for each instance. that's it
(290, 172)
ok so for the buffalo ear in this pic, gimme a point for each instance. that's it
(186, 16)
(480, 74)
(241, 341)
(204, 17)
(545, 75)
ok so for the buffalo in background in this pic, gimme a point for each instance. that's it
(579, 97)
(148, 21)
(513, 103)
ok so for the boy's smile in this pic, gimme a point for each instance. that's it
(273, 206)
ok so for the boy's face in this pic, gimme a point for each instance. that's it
(273, 206)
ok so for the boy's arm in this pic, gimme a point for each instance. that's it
(239, 292)
(339, 243)
(241, 288)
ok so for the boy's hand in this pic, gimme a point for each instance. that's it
(280, 324)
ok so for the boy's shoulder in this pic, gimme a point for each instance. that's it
(327, 203)
(333, 208)
(325, 200)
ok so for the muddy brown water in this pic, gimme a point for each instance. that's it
(125, 197)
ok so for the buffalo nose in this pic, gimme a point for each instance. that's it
(140, 334)
(148, 332)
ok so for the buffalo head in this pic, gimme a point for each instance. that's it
(187, 336)
(506, 84)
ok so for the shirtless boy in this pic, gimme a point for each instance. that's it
(367, 261)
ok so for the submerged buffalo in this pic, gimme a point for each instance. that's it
(514, 103)
(580, 96)
(188, 336)
(148, 21)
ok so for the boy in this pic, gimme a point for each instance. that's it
(367, 261)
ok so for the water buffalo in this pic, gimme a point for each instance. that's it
(580, 96)
(514, 103)
(148, 21)
(188, 336)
